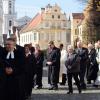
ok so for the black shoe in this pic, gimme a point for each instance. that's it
(83, 87)
(74, 83)
(51, 88)
(88, 82)
(55, 88)
(39, 87)
(96, 86)
(69, 92)
(80, 91)
(62, 83)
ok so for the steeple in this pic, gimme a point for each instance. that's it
(9, 15)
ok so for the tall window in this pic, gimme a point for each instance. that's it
(35, 36)
(10, 7)
(52, 16)
(9, 32)
(58, 16)
(75, 31)
(10, 23)
(47, 24)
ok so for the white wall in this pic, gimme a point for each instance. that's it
(1, 20)
(8, 17)
(29, 37)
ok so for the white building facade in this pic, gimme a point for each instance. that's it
(29, 37)
(9, 16)
(1, 21)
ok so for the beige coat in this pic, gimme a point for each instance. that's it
(63, 69)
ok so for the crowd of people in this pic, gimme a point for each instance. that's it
(21, 68)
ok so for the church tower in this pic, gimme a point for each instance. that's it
(1, 21)
(9, 16)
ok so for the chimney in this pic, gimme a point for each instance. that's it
(42, 10)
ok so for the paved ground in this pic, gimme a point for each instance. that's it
(61, 94)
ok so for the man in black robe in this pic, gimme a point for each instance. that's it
(2, 76)
(21, 79)
(13, 68)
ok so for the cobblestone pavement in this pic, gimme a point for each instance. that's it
(61, 94)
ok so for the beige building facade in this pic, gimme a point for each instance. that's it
(50, 24)
(76, 27)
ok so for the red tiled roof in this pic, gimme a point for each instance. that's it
(78, 15)
(33, 23)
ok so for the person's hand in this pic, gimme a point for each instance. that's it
(9, 71)
(69, 67)
(49, 63)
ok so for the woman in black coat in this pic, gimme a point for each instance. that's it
(29, 65)
(39, 57)
(92, 68)
(73, 68)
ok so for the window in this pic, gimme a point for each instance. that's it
(53, 16)
(9, 32)
(58, 25)
(55, 10)
(9, 4)
(10, 23)
(68, 37)
(58, 16)
(10, 7)
(47, 24)
(75, 31)
(35, 36)
(65, 24)
(53, 25)
(59, 36)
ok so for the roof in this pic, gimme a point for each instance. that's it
(77, 15)
(33, 23)
(24, 18)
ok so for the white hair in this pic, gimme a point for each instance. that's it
(70, 47)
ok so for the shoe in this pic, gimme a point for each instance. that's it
(39, 87)
(83, 87)
(80, 91)
(96, 86)
(62, 83)
(89, 82)
(74, 83)
(51, 88)
(69, 92)
(55, 88)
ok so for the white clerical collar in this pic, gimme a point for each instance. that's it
(28, 54)
(10, 54)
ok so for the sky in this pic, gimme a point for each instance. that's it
(31, 7)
